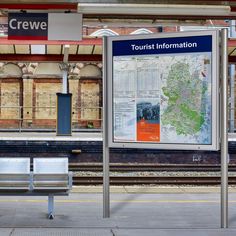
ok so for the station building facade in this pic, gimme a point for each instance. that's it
(28, 89)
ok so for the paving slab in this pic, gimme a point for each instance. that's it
(201, 189)
(98, 189)
(87, 189)
(6, 232)
(62, 232)
(174, 232)
(147, 189)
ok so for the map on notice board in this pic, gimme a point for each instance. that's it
(163, 98)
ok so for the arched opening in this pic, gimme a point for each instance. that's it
(142, 31)
(104, 32)
(11, 102)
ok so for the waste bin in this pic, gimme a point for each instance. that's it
(64, 114)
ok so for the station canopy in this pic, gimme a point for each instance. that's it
(89, 49)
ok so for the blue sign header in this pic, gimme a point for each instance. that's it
(162, 45)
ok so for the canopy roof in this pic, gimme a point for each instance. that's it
(89, 49)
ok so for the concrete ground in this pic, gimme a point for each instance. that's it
(135, 211)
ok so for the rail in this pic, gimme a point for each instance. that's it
(150, 180)
(120, 174)
(122, 167)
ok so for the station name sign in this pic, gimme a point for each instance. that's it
(45, 26)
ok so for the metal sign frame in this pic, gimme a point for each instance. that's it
(214, 145)
(222, 112)
(224, 129)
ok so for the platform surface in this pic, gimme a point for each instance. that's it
(139, 211)
(51, 136)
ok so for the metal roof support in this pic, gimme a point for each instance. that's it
(64, 68)
(232, 78)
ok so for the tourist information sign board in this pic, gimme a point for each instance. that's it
(163, 91)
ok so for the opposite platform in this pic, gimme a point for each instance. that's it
(50, 136)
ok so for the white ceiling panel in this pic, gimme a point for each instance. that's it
(38, 49)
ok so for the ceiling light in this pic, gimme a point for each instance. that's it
(154, 9)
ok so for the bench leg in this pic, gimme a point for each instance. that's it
(50, 207)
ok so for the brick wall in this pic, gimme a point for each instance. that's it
(90, 91)
(37, 97)
(10, 101)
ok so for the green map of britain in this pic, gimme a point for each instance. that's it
(185, 92)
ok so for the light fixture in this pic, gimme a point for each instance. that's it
(154, 9)
(138, 23)
(66, 53)
(38, 49)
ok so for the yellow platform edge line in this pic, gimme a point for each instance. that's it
(113, 201)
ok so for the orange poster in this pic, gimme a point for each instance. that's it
(147, 131)
(148, 121)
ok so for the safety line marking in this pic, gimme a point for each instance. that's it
(115, 201)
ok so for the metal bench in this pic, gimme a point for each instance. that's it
(14, 174)
(50, 177)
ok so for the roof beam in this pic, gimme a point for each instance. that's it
(48, 58)
(85, 41)
(40, 6)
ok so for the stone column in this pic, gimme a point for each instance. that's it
(27, 103)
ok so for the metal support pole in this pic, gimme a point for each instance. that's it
(65, 69)
(106, 179)
(232, 76)
(224, 129)
(50, 206)
(64, 81)
(232, 99)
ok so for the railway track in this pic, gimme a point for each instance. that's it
(136, 180)
(148, 180)
(120, 167)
